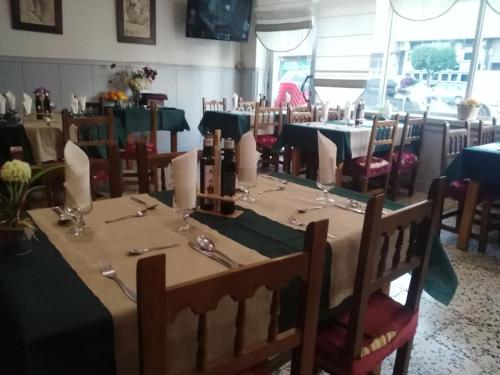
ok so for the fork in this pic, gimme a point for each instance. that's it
(294, 221)
(108, 271)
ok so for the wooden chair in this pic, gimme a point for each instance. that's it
(486, 133)
(375, 325)
(333, 113)
(246, 105)
(365, 168)
(157, 307)
(406, 161)
(267, 127)
(298, 115)
(214, 105)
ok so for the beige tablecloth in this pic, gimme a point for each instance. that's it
(45, 137)
(158, 227)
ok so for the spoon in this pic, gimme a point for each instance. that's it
(63, 218)
(139, 213)
(142, 251)
(281, 187)
(304, 210)
(208, 245)
(294, 221)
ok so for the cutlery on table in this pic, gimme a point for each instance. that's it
(208, 245)
(279, 188)
(64, 219)
(294, 221)
(304, 210)
(148, 249)
(280, 180)
(139, 213)
(212, 256)
(135, 199)
(108, 271)
(350, 208)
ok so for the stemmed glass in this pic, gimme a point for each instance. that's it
(325, 186)
(71, 208)
(185, 213)
(247, 179)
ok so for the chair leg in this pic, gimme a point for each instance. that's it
(387, 177)
(459, 215)
(402, 359)
(483, 231)
(395, 186)
(413, 181)
(363, 182)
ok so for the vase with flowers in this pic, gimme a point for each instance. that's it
(468, 109)
(16, 229)
(137, 81)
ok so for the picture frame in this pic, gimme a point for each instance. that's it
(37, 15)
(136, 21)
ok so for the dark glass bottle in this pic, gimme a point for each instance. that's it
(38, 107)
(46, 105)
(357, 116)
(207, 172)
(228, 177)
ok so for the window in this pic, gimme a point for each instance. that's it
(454, 77)
(416, 76)
(468, 56)
(444, 77)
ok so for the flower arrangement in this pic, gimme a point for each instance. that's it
(138, 80)
(468, 109)
(17, 178)
(472, 102)
(41, 91)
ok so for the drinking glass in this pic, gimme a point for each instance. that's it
(325, 186)
(185, 213)
(79, 228)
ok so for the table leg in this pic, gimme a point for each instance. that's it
(468, 215)
(296, 161)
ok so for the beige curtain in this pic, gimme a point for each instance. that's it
(421, 10)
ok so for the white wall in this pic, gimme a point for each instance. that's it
(89, 32)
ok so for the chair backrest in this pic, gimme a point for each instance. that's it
(454, 141)
(158, 306)
(486, 133)
(383, 134)
(214, 105)
(247, 105)
(92, 125)
(415, 225)
(296, 116)
(412, 135)
(148, 163)
(333, 113)
(268, 120)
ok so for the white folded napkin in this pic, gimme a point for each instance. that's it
(27, 103)
(184, 172)
(347, 109)
(77, 176)
(327, 154)
(3, 103)
(73, 103)
(11, 100)
(82, 102)
(324, 111)
(387, 110)
(235, 101)
(249, 157)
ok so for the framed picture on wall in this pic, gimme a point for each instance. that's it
(37, 15)
(136, 21)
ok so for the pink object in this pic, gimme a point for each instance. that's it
(296, 97)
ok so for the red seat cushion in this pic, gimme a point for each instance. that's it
(383, 315)
(409, 161)
(266, 140)
(378, 167)
(457, 190)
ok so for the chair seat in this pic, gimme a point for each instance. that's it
(266, 140)
(388, 325)
(128, 152)
(409, 162)
(378, 167)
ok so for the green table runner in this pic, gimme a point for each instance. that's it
(232, 125)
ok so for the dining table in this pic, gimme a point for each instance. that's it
(351, 140)
(232, 124)
(480, 165)
(59, 315)
(45, 137)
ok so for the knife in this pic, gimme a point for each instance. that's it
(210, 255)
(350, 208)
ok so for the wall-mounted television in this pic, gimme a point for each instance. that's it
(219, 19)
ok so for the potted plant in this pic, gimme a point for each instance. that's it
(467, 109)
(16, 228)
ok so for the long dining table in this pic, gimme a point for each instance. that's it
(60, 316)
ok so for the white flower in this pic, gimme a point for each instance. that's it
(16, 171)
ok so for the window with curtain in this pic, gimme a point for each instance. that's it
(429, 60)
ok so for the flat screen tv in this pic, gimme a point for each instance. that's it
(219, 19)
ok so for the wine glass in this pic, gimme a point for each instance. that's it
(325, 185)
(80, 227)
(185, 213)
(247, 178)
